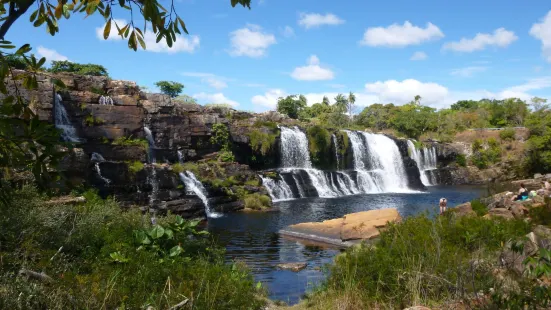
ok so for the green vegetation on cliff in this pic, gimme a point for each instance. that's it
(262, 142)
(319, 143)
(73, 67)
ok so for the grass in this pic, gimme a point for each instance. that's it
(96, 262)
(418, 262)
(128, 141)
(178, 168)
(479, 208)
(261, 142)
(257, 202)
(135, 166)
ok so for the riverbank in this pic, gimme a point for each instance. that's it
(476, 258)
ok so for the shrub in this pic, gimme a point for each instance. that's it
(98, 259)
(319, 142)
(135, 166)
(169, 88)
(226, 156)
(128, 141)
(177, 168)
(507, 134)
(261, 142)
(82, 69)
(91, 120)
(479, 208)
(257, 202)
(190, 166)
(461, 160)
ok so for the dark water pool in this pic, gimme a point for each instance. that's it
(253, 238)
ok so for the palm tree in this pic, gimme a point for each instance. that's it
(341, 103)
(351, 101)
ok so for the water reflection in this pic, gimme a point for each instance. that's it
(253, 238)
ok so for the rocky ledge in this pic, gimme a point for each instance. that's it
(346, 231)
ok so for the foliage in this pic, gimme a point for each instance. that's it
(135, 166)
(539, 148)
(419, 261)
(483, 157)
(16, 62)
(178, 168)
(507, 134)
(257, 202)
(261, 141)
(461, 160)
(185, 99)
(478, 207)
(221, 137)
(91, 120)
(73, 67)
(226, 156)
(319, 143)
(169, 88)
(128, 141)
(291, 105)
(98, 257)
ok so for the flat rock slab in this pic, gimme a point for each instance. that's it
(295, 267)
(346, 231)
(65, 200)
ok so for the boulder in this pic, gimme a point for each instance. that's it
(351, 227)
(540, 237)
(463, 210)
(519, 211)
(501, 212)
(295, 267)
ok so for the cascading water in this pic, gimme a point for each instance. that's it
(191, 183)
(152, 180)
(105, 100)
(180, 157)
(335, 145)
(426, 162)
(151, 141)
(62, 121)
(377, 167)
(96, 158)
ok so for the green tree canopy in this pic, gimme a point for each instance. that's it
(172, 89)
(73, 67)
(291, 105)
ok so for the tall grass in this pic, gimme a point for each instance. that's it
(74, 245)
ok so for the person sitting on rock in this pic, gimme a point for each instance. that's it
(443, 205)
(522, 193)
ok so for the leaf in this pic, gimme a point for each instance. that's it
(258, 285)
(142, 43)
(169, 233)
(66, 11)
(41, 62)
(141, 237)
(121, 3)
(175, 251)
(157, 232)
(179, 220)
(59, 10)
(183, 25)
(107, 29)
(33, 16)
(59, 83)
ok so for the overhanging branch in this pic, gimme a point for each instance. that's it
(17, 8)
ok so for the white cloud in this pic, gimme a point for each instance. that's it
(397, 35)
(313, 71)
(418, 56)
(542, 32)
(250, 41)
(288, 32)
(215, 98)
(182, 44)
(402, 92)
(500, 38)
(312, 20)
(214, 81)
(51, 55)
(468, 71)
(269, 99)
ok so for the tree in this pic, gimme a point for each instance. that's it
(169, 88)
(186, 99)
(291, 105)
(351, 102)
(73, 67)
(539, 104)
(325, 101)
(465, 105)
(341, 103)
(417, 100)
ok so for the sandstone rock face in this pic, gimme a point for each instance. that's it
(351, 227)
(501, 212)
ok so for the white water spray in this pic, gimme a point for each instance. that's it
(62, 121)
(191, 183)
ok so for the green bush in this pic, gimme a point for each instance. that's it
(98, 258)
(128, 141)
(135, 166)
(461, 160)
(419, 261)
(257, 202)
(178, 168)
(82, 69)
(261, 141)
(479, 208)
(226, 156)
(319, 142)
(507, 134)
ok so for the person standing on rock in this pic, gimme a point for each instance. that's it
(443, 205)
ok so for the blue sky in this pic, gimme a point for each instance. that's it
(384, 51)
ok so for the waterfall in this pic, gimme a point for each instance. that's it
(151, 141)
(377, 168)
(335, 145)
(191, 183)
(62, 121)
(152, 180)
(98, 171)
(180, 157)
(426, 162)
(96, 157)
(105, 100)
(278, 189)
(294, 148)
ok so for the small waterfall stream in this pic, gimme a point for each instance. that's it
(62, 121)
(152, 147)
(377, 168)
(194, 185)
(336, 146)
(426, 162)
(96, 158)
(105, 100)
